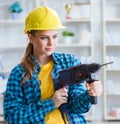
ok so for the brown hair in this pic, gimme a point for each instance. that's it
(26, 61)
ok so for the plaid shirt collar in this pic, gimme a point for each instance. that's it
(37, 65)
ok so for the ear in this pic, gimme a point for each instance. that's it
(30, 38)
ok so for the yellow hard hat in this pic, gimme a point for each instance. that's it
(42, 18)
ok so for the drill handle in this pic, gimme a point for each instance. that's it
(94, 99)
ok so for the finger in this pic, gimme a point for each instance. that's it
(96, 85)
(64, 94)
(64, 99)
(63, 90)
(61, 94)
(99, 92)
(94, 92)
(87, 86)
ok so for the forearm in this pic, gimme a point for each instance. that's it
(18, 113)
(80, 103)
(78, 98)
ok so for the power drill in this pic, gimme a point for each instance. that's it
(79, 74)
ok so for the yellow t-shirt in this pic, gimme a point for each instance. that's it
(47, 91)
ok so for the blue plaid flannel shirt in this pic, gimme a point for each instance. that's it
(22, 103)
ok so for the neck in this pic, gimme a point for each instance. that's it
(43, 59)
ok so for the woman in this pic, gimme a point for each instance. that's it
(32, 94)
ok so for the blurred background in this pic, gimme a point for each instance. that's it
(92, 33)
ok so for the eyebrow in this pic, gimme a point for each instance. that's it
(47, 35)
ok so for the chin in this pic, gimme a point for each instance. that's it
(49, 53)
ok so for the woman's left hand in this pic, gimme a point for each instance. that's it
(95, 88)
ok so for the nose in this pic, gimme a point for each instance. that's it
(50, 41)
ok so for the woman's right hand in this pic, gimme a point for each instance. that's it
(60, 97)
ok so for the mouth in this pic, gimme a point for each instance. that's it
(49, 49)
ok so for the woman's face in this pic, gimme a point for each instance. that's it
(44, 42)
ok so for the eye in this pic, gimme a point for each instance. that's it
(55, 36)
(44, 38)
